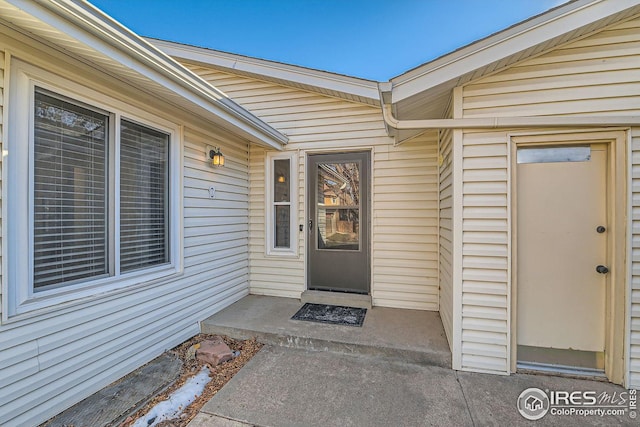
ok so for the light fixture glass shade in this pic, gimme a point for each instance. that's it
(217, 159)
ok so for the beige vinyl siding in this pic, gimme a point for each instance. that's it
(405, 225)
(289, 280)
(53, 358)
(445, 261)
(74, 352)
(597, 75)
(404, 181)
(485, 249)
(69, 354)
(634, 337)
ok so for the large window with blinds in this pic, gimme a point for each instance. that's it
(71, 193)
(93, 193)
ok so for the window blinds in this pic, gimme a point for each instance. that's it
(144, 195)
(70, 192)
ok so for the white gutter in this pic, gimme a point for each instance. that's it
(508, 122)
(77, 18)
(498, 122)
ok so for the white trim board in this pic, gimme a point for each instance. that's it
(315, 80)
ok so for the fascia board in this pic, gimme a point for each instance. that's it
(98, 31)
(300, 75)
(494, 48)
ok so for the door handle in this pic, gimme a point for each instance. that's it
(310, 225)
(602, 269)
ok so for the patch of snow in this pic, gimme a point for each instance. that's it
(179, 399)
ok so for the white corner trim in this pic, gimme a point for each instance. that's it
(628, 262)
(4, 182)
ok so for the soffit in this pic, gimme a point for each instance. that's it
(425, 92)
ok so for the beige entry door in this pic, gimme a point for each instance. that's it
(561, 253)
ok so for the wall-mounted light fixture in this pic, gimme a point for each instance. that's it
(215, 156)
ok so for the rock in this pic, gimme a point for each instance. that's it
(214, 352)
(191, 352)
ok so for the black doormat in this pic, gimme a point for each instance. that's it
(333, 314)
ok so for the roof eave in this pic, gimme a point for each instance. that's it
(539, 29)
(100, 32)
(322, 80)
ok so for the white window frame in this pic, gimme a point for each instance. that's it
(271, 250)
(20, 297)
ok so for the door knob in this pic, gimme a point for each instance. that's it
(602, 269)
(600, 229)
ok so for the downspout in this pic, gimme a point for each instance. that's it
(497, 122)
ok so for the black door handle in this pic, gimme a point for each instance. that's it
(602, 269)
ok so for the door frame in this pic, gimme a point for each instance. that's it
(616, 307)
(307, 213)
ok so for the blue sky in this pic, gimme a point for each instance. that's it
(373, 39)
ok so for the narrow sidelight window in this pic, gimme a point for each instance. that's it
(282, 203)
(281, 197)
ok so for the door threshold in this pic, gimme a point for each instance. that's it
(343, 299)
(563, 370)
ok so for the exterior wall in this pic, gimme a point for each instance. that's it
(485, 253)
(274, 276)
(597, 75)
(53, 358)
(405, 224)
(404, 178)
(446, 233)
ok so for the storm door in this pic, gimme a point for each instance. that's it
(338, 243)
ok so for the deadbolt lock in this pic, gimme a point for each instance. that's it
(602, 269)
(600, 229)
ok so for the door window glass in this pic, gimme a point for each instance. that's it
(282, 203)
(554, 154)
(338, 206)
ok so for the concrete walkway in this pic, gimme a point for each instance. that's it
(394, 371)
(293, 387)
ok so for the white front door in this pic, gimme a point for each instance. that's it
(562, 250)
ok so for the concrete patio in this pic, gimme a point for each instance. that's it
(394, 370)
(402, 335)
